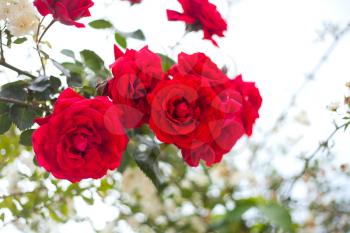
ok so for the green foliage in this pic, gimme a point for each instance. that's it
(273, 212)
(26, 137)
(100, 24)
(167, 62)
(120, 39)
(23, 117)
(20, 40)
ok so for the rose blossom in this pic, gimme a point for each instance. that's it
(65, 11)
(200, 14)
(191, 116)
(228, 90)
(81, 139)
(135, 74)
(201, 110)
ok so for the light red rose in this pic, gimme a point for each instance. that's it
(65, 11)
(135, 74)
(81, 139)
(200, 14)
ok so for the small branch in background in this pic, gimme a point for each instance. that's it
(2, 57)
(19, 71)
(32, 105)
(46, 29)
(308, 78)
(308, 159)
(39, 39)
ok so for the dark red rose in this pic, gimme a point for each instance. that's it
(251, 101)
(230, 91)
(190, 115)
(65, 11)
(200, 14)
(81, 139)
(135, 74)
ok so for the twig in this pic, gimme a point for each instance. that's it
(19, 71)
(2, 57)
(33, 105)
(308, 78)
(39, 39)
(308, 159)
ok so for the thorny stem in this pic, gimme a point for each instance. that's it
(19, 71)
(33, 105)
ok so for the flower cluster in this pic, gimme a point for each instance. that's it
(20, 16)
(194, 105)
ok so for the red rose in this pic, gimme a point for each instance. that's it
(230, 91)
(190, 115)
(81, 139)
(65, 11)
(136, 73)
(200, 14)
(134, 1)
(251, 101)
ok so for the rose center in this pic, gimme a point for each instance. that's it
(182, 110)
(80, 142)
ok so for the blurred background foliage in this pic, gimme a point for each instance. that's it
(154, 190)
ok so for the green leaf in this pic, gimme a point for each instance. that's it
(4, 108)
(54, 215)
(68, 53)
(92, 60)
(100, 24)
(74, 81)
(88, 200)
(39, 84)
(5, 123)
(126, 159)
(22, 117)
(15, 90)
(26, 137)
(120, 39)
(149, 165)
(138, 34)
(277, 215)
(167, 62)
(20, 40)
(55, 83)
(72, 67)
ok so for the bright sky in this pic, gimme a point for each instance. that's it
(272, 42)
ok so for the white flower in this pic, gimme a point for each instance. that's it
(23, 23)
(6, 9)
(20, 15)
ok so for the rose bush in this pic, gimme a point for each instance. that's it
(65, 11)
(135, 74)
(200, 14)
(81, 139)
